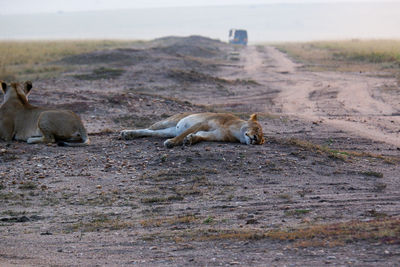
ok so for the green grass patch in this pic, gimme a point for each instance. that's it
(209, 220)
(28, 186)
(297, 212)
(372, 174)
(161, 199)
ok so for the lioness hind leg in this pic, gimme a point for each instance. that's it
(131, 134)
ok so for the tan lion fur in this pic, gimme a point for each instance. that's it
(189, 129)
(21, 121)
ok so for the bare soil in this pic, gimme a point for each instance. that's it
(331, 156)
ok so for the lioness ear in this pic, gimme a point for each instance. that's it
(262, 140)
(253, 117)
(20, 92)
(3, 87)
(28, 87)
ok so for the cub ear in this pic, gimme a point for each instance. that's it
(3, 87)
(28, 87)
(253, 117)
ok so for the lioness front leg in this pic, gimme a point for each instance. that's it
(179, 140)
(200, 136)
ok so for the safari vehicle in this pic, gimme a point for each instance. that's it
(238, 37)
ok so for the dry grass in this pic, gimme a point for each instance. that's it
(168, 221)
(352, 55)
(333, 153)
(30, 59)
(100, 222)
(385, 230)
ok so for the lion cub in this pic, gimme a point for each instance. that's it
(22, 121)
(189, 129)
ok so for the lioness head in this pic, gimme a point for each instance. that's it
(254, 134)
(16, 90)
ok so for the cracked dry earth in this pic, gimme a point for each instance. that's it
(331, 158)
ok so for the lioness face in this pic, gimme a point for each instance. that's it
(254, 134)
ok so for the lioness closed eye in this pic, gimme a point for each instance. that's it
(22, 121)
(189, 129)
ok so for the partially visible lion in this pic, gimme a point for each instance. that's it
(22, 121)
(189, 129)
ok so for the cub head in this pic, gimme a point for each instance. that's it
(254, 134)
(16, 91)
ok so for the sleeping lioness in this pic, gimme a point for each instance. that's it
(189, 129)
(22, 121)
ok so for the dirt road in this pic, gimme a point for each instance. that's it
(360, 104)
(356, 103)
(324, 188)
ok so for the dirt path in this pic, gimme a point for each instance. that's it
(356, 103)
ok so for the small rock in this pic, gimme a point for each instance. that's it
(46, 233)
(251, 221)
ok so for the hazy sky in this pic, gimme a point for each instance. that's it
(51, 6)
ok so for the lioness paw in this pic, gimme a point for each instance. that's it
(169, 143)
(187, 141)
(126, 134)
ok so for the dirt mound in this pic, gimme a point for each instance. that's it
(120, 56)
(193, 76)
(189, 41)
(196, 46)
